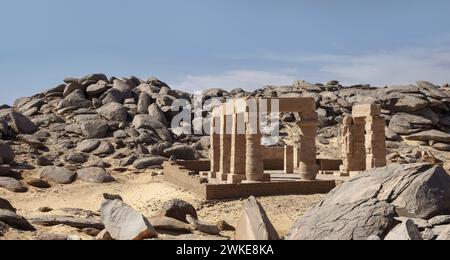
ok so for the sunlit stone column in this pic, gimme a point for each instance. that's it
(308, 168)
(238, 149)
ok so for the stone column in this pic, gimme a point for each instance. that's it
(375, 144)
(308, 161)
(238, 149)
(254, 166)
(225, 146)
(289, 159)
(296, 159)
(359, 145)
(215, 146)
(346, 143)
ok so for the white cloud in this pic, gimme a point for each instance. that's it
(228, 80)
(381, 68)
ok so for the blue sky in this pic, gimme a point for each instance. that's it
(196, 44)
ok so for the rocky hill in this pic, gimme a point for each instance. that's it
(122, 122)
(96, 130)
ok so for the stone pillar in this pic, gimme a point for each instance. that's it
(375, 144)
(225, 146)
(238, 149)
(254, 166)
(215, 146)
(346, 142)
(359, 145)
(308, 161)
(296, 157)
(289, 159)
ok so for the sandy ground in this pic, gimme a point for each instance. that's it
(146, 194)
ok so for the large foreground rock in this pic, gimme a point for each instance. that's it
(367, 205)
(254, 223)
(124, 223)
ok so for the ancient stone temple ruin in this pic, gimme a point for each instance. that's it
(363, 140)
(240, 166)
(237, 154)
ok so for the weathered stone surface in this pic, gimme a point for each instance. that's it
(96, 89)
(57, 175)
(38, 183)
(114, 112)
(440, 220)
(71, 87)
(76, 158)
(442, 147)
(4, 204)
(94, 175)
(148, 162)
(12, 185)
(95, 129)
(74, 222)
(182, 152)
(15, 221)
(148, 122)
(143, 103)
(21, 123)
(405, 231)
(432, 135)
(156, 112)
(51, 237)
(5, 170)
(409, 104)
(169, 224)
(6, 153)
(31, 141)
(104, 148)
(87, 146)
(124, 223)
(445, 234)
(254, 223)
(177, 209)
(203, 227)
(366, 205)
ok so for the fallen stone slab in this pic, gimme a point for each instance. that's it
(405, 231)
(74, 222)
(203, 227)
(145, 163)
(15, 221)
(254, 223)
(125, 223)
(169, 224)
